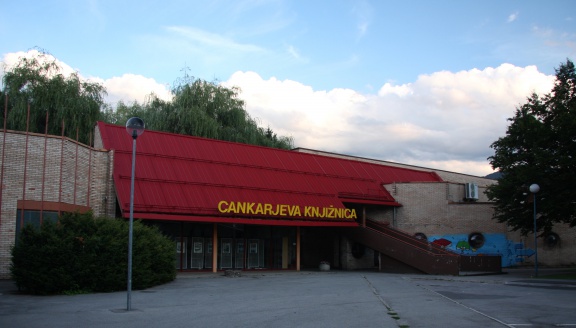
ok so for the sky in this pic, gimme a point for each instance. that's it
(426, 83)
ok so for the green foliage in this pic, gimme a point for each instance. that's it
(203, 109)
(539, 147)
(563, 276)
(198, 108)
(39, 83)
(82, 253)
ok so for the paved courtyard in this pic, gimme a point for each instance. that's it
(309, 299)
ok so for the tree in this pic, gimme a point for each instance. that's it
(539, 147)
(198, 107)
(38, 82)
(203, 109)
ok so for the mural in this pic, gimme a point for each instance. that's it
(512, 253)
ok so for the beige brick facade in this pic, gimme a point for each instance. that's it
(439, 208)
(54, 171)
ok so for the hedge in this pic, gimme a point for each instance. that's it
(81, 253)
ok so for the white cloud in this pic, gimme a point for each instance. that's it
(205, 38)
(362, 28)
(362, 11)
(399, 90)
(130, 87)
(295, 54)
(127, 88)
(444, 120)
(13, 58)
(512, 17)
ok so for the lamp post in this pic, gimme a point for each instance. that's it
(134, 127)
(534, 188)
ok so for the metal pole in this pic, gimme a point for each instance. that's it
(129, 300)
(535, 241)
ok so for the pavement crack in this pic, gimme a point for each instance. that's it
(393, 314)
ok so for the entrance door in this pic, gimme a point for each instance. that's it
(239, 255)
(208, 253)
(181, 254)
(255, 253)
(226, 253)
(197, 256)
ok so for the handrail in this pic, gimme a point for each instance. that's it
(421, 258)
(386, 230)
(416, 248)
(428, 257)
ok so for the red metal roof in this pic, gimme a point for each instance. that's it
(186, 177)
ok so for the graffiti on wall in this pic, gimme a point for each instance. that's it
(512, 253)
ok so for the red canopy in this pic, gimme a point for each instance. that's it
(185, 178)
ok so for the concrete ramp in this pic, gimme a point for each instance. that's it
(419, 254)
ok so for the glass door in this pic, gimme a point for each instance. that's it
(255, 254)
(181, 254)
(226, 253)
(197, 256)
(239, 256)
(208, 253)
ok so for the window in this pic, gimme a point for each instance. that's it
(34, 218)
(36, 213)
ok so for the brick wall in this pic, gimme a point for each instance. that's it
(437, 208)
(349, 262)
(52, 169)
(563, 254)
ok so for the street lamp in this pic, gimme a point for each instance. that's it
(134, 127)
(534, 188)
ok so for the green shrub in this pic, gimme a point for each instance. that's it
(82, 253)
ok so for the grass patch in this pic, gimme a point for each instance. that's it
(564, 276)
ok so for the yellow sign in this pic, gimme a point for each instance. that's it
(286, 210)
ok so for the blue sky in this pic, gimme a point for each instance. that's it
(367, 62)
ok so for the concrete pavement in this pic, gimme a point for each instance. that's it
(309, 299)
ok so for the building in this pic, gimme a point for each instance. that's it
(236, 206)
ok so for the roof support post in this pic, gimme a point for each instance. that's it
(298, 248)
(215, 248)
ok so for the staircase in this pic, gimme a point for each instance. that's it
(420, 254)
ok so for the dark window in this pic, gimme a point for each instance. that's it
(34, 218)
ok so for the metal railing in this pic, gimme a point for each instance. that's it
(422, 255)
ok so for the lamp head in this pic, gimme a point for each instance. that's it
(534, 188)
(135, 127)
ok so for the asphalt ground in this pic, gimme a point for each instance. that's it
(309, 299)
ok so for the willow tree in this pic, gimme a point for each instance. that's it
(203, 109)
(39, 84)
(197, 108)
